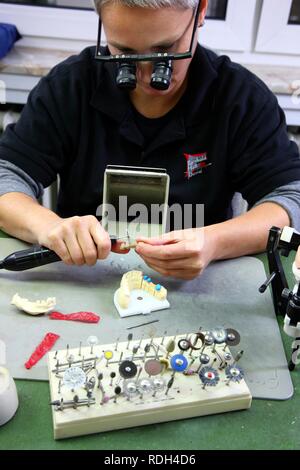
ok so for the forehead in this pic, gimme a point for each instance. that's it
(131, 24)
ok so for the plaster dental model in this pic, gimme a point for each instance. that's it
(138, 294)
(34, 308)
(128, 245)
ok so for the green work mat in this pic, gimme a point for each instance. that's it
(225, 295)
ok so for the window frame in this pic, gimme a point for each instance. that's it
(49, 26)
(75, 29)
(235, 33)
(277, 36)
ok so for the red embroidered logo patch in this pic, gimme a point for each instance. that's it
(195, 164)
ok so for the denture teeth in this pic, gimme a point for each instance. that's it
(135, 280)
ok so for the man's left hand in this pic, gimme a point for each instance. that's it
(182, 254)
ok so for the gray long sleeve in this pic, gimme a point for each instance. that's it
(13, 179)
(288, 197)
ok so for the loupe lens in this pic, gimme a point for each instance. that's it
(161, 75)
(126, 77)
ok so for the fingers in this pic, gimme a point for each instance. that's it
(63, 241)
(60, 249)
(74, 248)
(180, 263)
(171, 237)
(186, 268)
(101, 239)
(188, 235)
(178, 250)
(88, 247)
(79, 240)
(178, 254)
(185, 274)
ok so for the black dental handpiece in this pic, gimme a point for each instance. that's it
(33, 257)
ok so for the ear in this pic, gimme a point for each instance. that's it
(203, 9)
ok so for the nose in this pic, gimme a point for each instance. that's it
(144, 71)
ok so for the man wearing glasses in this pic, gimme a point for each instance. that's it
(155, 98)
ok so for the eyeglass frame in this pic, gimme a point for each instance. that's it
(154, 57)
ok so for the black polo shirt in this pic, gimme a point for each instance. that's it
(226, 134)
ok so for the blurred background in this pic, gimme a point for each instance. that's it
(262, 35)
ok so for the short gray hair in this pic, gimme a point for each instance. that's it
(185, 4)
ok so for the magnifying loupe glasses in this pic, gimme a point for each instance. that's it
(162, 62)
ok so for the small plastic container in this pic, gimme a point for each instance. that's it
(8, 396)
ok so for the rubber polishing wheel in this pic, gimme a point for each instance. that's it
(153, 367)
(127, 369)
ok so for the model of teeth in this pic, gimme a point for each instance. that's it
(135, 280)
(34, 308)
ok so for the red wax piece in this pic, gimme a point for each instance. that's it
(85, 317)
(45, 346)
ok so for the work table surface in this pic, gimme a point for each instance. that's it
(266, 425)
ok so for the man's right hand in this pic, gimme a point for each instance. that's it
(77, 240)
